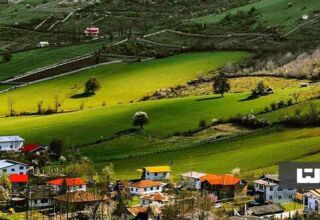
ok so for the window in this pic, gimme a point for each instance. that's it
(147, 174)
(270, 197)
(21, 167)
(145, 189)
(279, 197)
(158, 187)
(271, 188)
(136, 190)
(143, 202)
(44, 200)
(0, 147)
(12, 170)
(11, 146)
(35, 201)
(155, 174)
(4, 170)
(80, 187)
(151, 188)
(131, 189)
(21, 173)
(290, 196)
(279, 189)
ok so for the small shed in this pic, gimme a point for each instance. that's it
(92, 31)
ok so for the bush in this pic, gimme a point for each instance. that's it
(249, 121)
(281, 104)
(6, 57)
(289, 102)
(273, 106)
(202, 124)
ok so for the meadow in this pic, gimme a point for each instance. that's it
(25, 61)
(120, 83)
(275, 12)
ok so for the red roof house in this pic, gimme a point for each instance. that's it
(92, 31)
(222, 184)
(73, 184)
(18, 178)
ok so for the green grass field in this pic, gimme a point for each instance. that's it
(250, 153)
(120, 83)
(22, 62)
(271, 12)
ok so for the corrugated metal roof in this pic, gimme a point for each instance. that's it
(157, 169)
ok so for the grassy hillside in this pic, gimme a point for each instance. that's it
(166, 116)
(250, 153)
(22, 62)
(271, 12)
(120, 83)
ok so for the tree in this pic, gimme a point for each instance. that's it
(91, 86)
(5, 182)
(202, 124)
(140, 119)
(56, 146)
(11, 106)
(39, 106)
(220, 84)
(6, 57)
(296, 96)
(107, 175)
(57, 103)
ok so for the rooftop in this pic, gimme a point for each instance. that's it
(30, 148)
(6, 163)
(18, 178)
(266, 209)
(156, 169)
(69, 181)
(157, 197)
(225, 179)
(14, 138)
(79, 197)
(193, 174)
(145, 183)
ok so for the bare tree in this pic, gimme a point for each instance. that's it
(57, 103)
(296, 96)
(39, 106)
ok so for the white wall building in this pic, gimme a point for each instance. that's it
(311, 201)
(13, 167)
(155, 173)
(10, 143)
(267, 190)
(145, 187)
(192, 179)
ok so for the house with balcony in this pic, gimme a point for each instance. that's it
(11, 143)
(311, 201)
(267, 189)
(142, 187)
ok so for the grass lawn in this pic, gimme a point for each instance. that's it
(292, 206)
(120, 83)
(250, 153)
(272, 12)
(22, 62)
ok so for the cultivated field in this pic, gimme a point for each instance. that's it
(120, 83)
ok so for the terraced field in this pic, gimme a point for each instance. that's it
(120, 83)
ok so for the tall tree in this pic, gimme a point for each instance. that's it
(92, 85)
(220, 84)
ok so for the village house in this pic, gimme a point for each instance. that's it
(32, 149)
(39, 196)
(18, 181)
(223, 185)
(72, 184)
(11, 143)
(156, 199)
(267, 190)
(311, 201)
(92, 31)
(192, 179)
(155, 173)
(145, 187)
(13, 167)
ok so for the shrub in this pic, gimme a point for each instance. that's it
(202, 124)
(273, 106)
(289, 102)
(214, 121)
(281, 104)
(6, 57)
(266, 109)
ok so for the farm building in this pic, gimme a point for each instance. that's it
(40, 196)
(192, 179)
(73, 184)
(145, 187)
(13, 167)
(155, 173)
(10, 143)
(267, 190)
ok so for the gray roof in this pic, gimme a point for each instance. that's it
(14, 138)
(272, 176)
(266, 209)
(193, 174)
(7, 163)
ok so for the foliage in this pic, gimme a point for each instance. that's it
(140, 119)
(202, 124)
(56, 146)
(220, 84)
(5, 182)
(249, 121)
(6, 57)
(91, 86)
(84, 170)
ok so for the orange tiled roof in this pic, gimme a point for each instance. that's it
(157, 197)
(69, 181)
(225, 179)
(145, 183)
(136, 210)
(78, 197)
